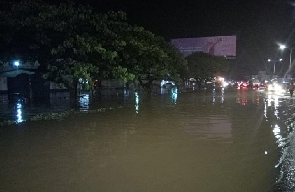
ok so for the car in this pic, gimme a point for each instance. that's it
(243, 85)
(261, 89)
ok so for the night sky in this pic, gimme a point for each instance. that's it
(258, 24)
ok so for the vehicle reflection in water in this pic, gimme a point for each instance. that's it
(273, 101)
(222, 95)
(174, 93)
(213, 95)
(84, 102)
(277, 133)
(256, 98)
(242, 97)
(218, 93)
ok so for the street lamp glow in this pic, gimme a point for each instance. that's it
(283, 47)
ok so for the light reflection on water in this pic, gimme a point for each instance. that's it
(218, 95)
(136, 102)
(211, 140)
(282, 109)
(19, 117)
(174, 94)
(285, 141)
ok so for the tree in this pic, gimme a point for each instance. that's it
(74, 43)
(149, 57)
(202, 65)
(70, 42)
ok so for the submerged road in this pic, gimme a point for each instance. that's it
(209, 140)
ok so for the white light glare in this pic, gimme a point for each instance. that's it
(136, 102)
(283, 47)
(19, 116)
(225, 84)
(16, 63)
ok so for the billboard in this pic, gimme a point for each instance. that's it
(218, 45)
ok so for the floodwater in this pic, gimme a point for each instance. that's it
(213, 140)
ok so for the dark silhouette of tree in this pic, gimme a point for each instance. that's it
(73, 43)
(202, 66)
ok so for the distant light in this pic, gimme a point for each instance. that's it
(18, 105)
(283, 47)
(16, 63)
(265, 152)
(270, 60)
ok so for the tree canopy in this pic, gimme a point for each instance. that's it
(203, 65)
(73, 42)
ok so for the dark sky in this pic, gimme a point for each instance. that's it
(258, 24)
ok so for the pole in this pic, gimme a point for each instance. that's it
(290, 58)
(274, 68)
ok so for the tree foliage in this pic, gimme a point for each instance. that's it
(73, 42)
(149, 57)
(202, 65)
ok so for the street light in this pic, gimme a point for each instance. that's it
(274, 64)
(291, 49)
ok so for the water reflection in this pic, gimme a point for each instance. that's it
(126, 93)
(19, 116)
(222, 95)
(213, 95)
(174, 93)
(273, 102)
(84, 102)
(277, 133)
(286, 163)
(218, 93)
(136, 102)
(242, 97)
(215, 127)
(192, 146)
(256, 98)
(278, 109)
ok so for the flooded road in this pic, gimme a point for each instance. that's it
(200, 141)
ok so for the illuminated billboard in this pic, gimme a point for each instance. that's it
(218, 45)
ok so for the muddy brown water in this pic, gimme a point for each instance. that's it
(202, 141)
